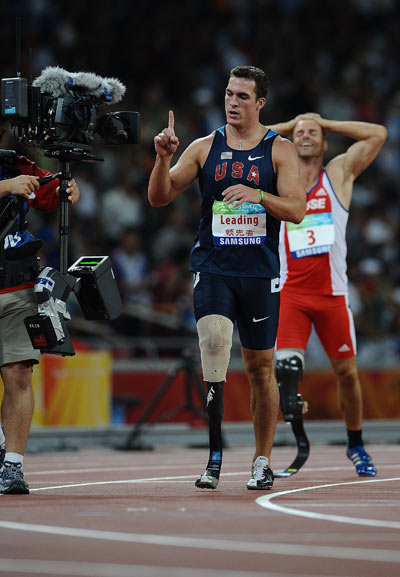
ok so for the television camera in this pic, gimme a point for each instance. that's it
(59, 113)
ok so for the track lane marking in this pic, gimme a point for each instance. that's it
(265, 501)
(162, 467)
(181, 541)
(88, 569)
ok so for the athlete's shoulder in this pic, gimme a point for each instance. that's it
(283, 148)
(202, 142)
(197, 151)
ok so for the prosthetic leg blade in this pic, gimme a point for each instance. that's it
(215, 411)
(303, 449)
(207, 481)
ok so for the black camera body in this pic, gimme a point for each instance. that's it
(60, 111)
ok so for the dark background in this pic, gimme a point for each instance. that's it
(339, 59)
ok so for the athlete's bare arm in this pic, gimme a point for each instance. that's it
(290, 205)
(345, 168)
(167, 183)
(286, 128)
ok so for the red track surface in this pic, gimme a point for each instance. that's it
(122, 514)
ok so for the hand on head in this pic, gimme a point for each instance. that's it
(166, 143)
(324, 124)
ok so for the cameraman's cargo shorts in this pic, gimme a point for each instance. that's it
(15, 344)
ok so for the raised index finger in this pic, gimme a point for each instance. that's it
(171, 120)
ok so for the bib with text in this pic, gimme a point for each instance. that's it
(244, 225)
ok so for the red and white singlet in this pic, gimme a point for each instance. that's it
(313, 253)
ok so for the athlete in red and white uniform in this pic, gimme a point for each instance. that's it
(313, 266)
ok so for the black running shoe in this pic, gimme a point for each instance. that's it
(2, 455)
(262, 477)
(12, 479)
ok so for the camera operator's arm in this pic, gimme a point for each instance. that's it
(23, 185)
(46, 197)
(72, 190)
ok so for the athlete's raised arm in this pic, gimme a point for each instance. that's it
(167, 183)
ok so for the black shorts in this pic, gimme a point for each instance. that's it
(253, 303)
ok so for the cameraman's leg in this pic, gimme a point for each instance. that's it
(16, 359)
(17, 406)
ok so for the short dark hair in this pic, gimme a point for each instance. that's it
(256, 74)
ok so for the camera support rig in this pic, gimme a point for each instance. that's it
(58, 113)
(91, 278)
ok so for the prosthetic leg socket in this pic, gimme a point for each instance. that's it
(289, 372)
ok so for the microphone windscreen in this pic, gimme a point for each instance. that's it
(52, 81)
(58, 82)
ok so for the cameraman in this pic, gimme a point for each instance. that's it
(18, 271)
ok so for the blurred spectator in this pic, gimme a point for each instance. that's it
(131, 268)
(172, 236)
(121, 207)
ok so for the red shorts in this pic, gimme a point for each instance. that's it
(331, 317)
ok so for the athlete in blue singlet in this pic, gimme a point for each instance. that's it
(249, 180)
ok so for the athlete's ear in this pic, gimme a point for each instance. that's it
(325, 146)
(260, 103)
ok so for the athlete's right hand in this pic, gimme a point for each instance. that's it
(22, 185)
(166, 143)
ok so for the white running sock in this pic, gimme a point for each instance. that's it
(14, 458)
(2, 438)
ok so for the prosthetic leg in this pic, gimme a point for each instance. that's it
(215, 340)
(289, 371)
(215, 412)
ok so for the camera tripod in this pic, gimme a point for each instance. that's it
(189, 367)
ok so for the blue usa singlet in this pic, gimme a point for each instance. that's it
(240, 241)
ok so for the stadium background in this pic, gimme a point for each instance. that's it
(336, 58)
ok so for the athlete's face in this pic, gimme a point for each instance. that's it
(241, 102)
(308, 139)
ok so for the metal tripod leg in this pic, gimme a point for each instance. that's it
(187, 365)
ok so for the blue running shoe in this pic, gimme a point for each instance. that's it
(12, 479)
(362, 461)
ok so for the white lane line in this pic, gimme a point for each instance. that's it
(84, 569)
(266, 502)
(162, 467)
(118, 482)
(130, 481)
(179, 541)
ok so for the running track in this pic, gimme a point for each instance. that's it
(96, 513)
